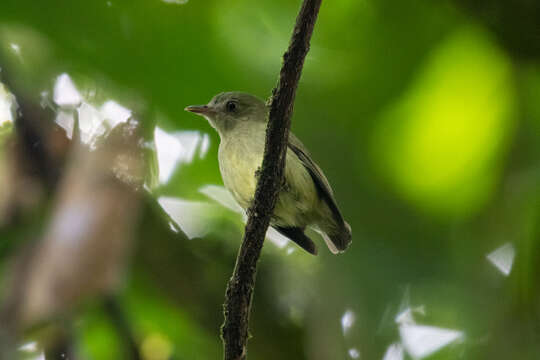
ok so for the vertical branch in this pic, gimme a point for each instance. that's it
(122, 326)
(240, 288)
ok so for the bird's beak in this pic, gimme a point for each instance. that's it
(199, 109)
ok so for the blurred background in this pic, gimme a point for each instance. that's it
(117, 236)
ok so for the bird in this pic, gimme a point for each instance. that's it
(306, 198)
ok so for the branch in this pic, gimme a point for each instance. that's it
(85, 244)
(240, 288)
(122, 326)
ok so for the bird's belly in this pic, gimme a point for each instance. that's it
(238, 173)
(297, 199)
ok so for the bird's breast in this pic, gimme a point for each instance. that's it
(241, 156)
(238, 162)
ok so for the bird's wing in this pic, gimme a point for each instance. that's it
(324, 190)
(297, 235)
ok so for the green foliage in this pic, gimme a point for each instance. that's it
(421, 116)
(453, 124)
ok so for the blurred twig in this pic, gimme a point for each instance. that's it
(240, 288)
(34, 155)
(86, 243)
(62, 344)
(122, 326)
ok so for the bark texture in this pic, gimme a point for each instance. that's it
(240, 287)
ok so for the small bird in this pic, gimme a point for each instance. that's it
(305, 199)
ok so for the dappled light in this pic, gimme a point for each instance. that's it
(73, 111)
(354, 353)
(65, 92)
(420, 341)
(417, 339)
(347, 321)
(221, 196)
(193, 217)
(177, 148)
(7, 106)
(224, 197)
(503, 258)
(31, 351)
(394, 352)
(118, 235)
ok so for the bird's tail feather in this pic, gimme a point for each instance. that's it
(338, 241)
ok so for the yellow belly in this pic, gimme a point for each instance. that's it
(296, 201)
(238, 173)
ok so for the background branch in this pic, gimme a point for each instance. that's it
(240, 288)
(86, 239)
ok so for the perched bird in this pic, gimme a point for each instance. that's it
(306, 198)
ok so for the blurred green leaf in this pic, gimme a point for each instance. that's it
(442, 141)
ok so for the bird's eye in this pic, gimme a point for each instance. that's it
(230, 106)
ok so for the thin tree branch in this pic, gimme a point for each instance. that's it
(122, 326)
(240, 288)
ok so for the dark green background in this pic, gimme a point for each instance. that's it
(425, 116)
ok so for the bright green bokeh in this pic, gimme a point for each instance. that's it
(418, 113)
(441, 142)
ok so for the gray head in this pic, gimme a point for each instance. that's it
(228, 109)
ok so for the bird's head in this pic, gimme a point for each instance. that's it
(228, 109)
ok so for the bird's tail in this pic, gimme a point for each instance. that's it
(338, 240)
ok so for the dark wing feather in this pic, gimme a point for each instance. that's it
(321, 183)
(297, 235)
